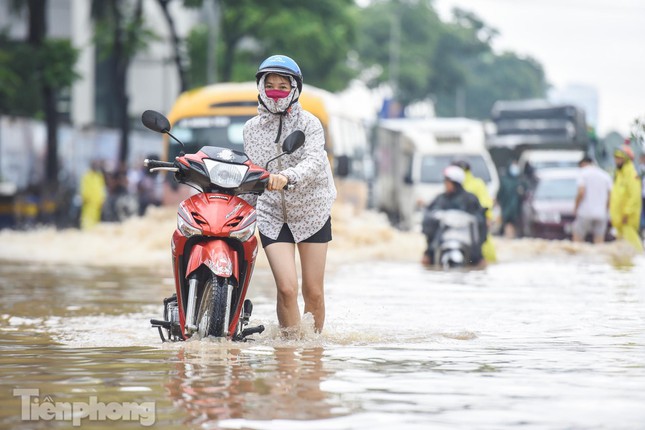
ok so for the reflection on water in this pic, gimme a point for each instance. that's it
(282, 383)
(551, 337)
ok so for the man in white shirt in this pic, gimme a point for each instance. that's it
(592, 202)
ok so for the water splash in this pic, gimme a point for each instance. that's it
(363, 236)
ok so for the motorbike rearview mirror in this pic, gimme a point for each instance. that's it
(155, 121)
(290, 145)
(159, 123)
(293, 142)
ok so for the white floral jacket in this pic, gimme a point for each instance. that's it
(307, 206)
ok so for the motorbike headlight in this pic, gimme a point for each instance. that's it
(245, 233)
(224, 174)
(185, 226)
(452, 258)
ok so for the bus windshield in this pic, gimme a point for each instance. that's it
(196, 132)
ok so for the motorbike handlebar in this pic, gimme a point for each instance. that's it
(155, 165)
(287, 187)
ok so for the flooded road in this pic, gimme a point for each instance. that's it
(550, 337)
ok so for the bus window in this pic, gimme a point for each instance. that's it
(197, 132)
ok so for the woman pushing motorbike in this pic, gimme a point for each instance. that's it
(299, 217)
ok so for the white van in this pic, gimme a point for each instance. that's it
(411, 154)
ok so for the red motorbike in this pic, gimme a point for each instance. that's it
(214, 246)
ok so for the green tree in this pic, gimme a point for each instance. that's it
(20, 90)
(119, 35)
(318, 35)
(178, 47)
(637, 133)
(492, 77)
(461, 41)
(35, 71)
(404, 43)
(196, 46)
(397, 43)
(8, 76)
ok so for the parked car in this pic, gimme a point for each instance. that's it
(547, 210)
(550, 159)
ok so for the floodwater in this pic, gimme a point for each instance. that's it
(550, 337)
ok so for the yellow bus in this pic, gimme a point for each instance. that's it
(216, 114)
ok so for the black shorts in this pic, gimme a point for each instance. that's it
(321, 236)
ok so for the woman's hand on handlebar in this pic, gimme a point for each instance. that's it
(277, 182)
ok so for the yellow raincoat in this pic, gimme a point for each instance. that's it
(93, 195)
(625, 201)
(477, 186)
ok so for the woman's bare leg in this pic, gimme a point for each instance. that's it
(281, 256)
(313, 258)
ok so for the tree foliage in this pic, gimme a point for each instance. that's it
(119, 35)
(461, 41)
(318, 35)
(20, 90)
(390, 41)
(398, 41)
(119, 26)
(26, 69)
(406, 44)
(37, 69)
(59, 57)
(493, 77)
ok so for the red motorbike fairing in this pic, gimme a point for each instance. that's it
(209, 208)
(231, 214)
(217, 255)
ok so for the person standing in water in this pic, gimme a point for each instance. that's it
(592, 202)
(625, 201)
(509, 197)
(93, 195)
(299, 218)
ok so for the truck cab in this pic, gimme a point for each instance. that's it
(411, 156)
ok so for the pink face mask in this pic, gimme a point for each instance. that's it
(277, 94)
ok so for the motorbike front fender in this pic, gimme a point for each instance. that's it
(217, 255)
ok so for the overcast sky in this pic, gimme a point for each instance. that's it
(600, 43)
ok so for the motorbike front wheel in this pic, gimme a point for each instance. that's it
(212, 317)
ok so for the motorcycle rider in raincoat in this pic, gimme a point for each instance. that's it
(625, 200)
(455, 197)
(477, 186)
